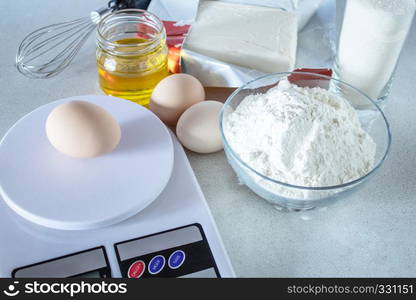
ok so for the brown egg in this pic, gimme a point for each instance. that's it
(82, 129)
(173, 95)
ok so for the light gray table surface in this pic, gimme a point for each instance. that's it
(372, 233)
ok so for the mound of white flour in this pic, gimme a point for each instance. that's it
(301, 136)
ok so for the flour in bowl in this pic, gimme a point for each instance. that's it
(301, 136)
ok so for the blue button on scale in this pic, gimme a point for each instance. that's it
(156, 264)
(176, 259)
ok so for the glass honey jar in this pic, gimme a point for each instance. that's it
(132, 55)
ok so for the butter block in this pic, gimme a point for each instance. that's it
(255, 37)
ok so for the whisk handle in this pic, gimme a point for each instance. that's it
(122, 4)
(98, 14)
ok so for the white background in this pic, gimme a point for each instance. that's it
(372, 233)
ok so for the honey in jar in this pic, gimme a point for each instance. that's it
(132, 56)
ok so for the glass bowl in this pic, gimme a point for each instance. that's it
(289, 197)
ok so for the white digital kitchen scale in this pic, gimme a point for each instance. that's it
(135, 212)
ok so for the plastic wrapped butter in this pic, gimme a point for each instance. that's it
(256, 37)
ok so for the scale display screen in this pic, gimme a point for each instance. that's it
(180, 252)
(91, 263)
(94, 274)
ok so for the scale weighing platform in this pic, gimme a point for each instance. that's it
(136, 212)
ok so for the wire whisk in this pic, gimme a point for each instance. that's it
(49, 50)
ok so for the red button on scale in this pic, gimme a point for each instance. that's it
(136, 269)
